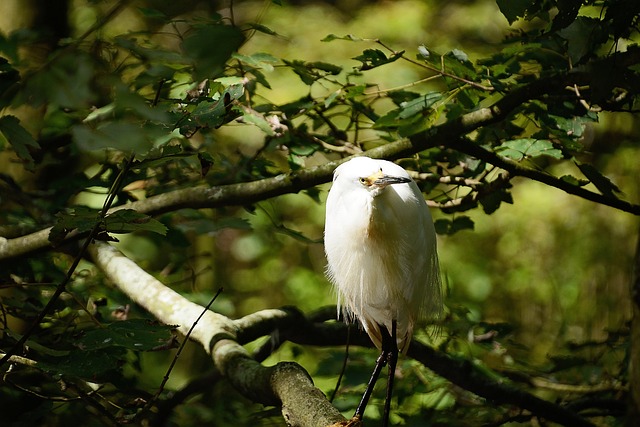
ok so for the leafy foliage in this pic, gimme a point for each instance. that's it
(194, 99)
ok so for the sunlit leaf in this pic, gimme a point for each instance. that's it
(519, 149)
(418, 105)
(574, 181)
(259, 121)
(348, 37)
(264, 61)
(262, 28)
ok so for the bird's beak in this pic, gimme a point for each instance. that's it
(381, 180)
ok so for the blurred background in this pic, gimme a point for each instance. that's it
(550, 272)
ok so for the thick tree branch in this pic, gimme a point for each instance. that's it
(295, 327)
(288, 383)
(285, 384)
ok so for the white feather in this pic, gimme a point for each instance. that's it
(381, 249)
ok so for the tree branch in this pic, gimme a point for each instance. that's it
(517, 169)
(286, 384)
(450, 134)
(295, 327)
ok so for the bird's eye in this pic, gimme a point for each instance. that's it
(363, 181)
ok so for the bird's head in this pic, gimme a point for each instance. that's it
(364, 173)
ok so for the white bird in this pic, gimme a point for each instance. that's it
(380, 244)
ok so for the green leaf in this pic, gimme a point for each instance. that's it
(572, 126)
(201, 225)
(9, 78)
(567, 12)
(446, 226)
(601, 182)
(372, 58)
(133, 334)
(514, 9)
(263, 61)
(95, 365)
(491, 201)
(210, 47)
(411, 117)
(418, 105)
(582, 36)
(206, 161)
(459, 55)
(309, 72)
(158, 156)
(260, 122)
(402, 96)
(80, 218)
(19, 139)
(128, 220)
(119, 135)
(574, 181)
(348, 37)
(127, 101)
(455, 62)
(214, 113)
(152, 13)
(519, 149)
(154, 54)
(262, 29)
(68, 82)
(210, 113)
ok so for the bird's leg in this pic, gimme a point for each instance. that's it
(380, 362)
(389, 354)
(392, 359)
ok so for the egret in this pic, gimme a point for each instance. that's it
(380, 244)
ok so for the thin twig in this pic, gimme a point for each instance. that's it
(344, 364)
(441, 71)
(175, 358)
